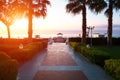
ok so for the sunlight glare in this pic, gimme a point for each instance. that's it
(21, 24)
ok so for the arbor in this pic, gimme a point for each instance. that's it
(37, 8)
(9, 12)
(109, 5)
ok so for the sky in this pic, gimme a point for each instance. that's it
(57, 20)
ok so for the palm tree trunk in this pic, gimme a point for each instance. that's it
(8, 30)
(84, 24)
(30, 21)
(109, 32)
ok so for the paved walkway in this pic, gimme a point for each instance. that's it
(59, 62)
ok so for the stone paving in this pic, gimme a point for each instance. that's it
(59, 62)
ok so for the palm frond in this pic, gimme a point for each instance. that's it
(40, 8)
(72, 5)
(70, 1)
(40, 13)
(77, 10)
(97, 6)
(116, 4)
(46, 2)
(107, 12)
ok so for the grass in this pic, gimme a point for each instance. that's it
(114, 51)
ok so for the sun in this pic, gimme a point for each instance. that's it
(20, 27)
(20, 24)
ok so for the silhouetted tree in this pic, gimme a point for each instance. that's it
(37, 8)
(9, 12)
(75, 7)
(109, 5)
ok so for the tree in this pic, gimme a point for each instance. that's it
(109, 5)
(9, 12)
(75, 7)
(37, 8)
(112, 4)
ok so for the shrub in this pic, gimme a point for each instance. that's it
(8, 67)
(27, 53)
(112, 66)
(8, 70)
(97, 41)
(94, 55)
(4, 56)
(74, 45)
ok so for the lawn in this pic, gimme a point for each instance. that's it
(114, 51)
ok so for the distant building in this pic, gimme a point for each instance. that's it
(97, 35)
(59, 38)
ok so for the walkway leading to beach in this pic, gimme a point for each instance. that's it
(59, 62)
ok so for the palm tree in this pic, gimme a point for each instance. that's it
(75, 7)
(37, 8)
(99, 5)
(9, 12)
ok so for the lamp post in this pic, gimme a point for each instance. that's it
(91, 28)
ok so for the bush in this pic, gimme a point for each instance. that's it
(8, 67)
(4, 56)
(112, 66)
(94, 55)
(8, 70)
(97, 41)
(28, 51)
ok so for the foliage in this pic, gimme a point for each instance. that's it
(112, 66)
(38, 8)
(75, 7)
(4, 56)
(97, 41)
(94, 55)
(9, 12)
(9, 61)
(28, 51)
(8, 67)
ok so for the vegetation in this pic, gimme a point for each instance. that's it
(112, 4)
(12, 10)
(77, 6)
(37, 8)
(12, 56)
(107, 57)
(112, 66)
(109, 5)
(8, 67)
(94, 55)
(26, 52)
(9, 12)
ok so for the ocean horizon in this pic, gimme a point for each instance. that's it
(74, 33)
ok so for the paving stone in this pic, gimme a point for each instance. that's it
(60, 75)
(58, 56)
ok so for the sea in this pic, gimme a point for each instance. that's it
(66, 34)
